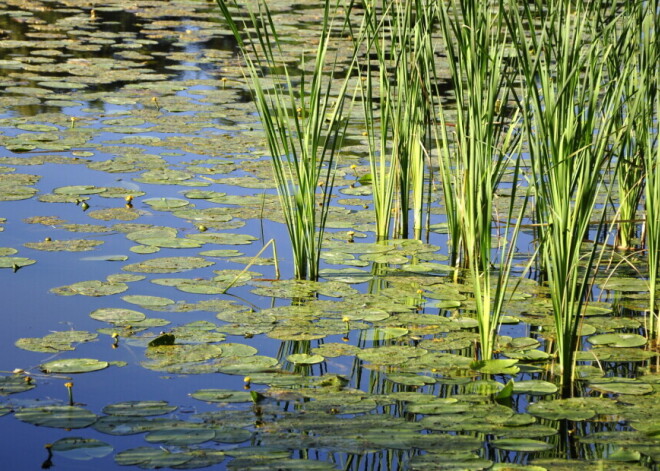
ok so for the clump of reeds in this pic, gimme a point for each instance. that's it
(304, 118)
(568, 106)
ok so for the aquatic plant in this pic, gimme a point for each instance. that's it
(401, 83)
(649, 54)
(568, 107)
(305, 123)
(484, 144)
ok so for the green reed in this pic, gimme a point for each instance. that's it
(568, 105)
(399, 35)
(304, 118)
(484, 145)
(627, 43)
(649, 55)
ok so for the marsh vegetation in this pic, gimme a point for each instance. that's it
(330, 235)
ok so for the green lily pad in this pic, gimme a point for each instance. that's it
(184, 435)
(618, 340)
(166, 204)
(148, 301)
(168, 265)
(534, 387)
(120, 214)
(15, 262)
(117, 316)
(498, 366)
(151, 458)
(77, 245)
(66, 417)
(223, 238)
(15, 384)
(127, 425)
(81, 449)
(74, 365)
(92, 288)
(615, 385)
(56, 341)
(222, 395)
(78, 190)
(305, 359)
(202, 458)
(571, 409)
(521, 444)
(139, 408)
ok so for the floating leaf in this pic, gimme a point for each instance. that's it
(168, 265)
(498, 366)
(15, 262)
(82, 449)
(222, 395)
(182, 435)
(91, 288)
(117, 316)
(615, 385)
(66, 417)
(618, 340)
(535, 387)
(14, 384)
(120, 214)
(139, 408)
(151, 458)
(305, 359)
(148, 301)
(77, 245)
(521, 444)
(56, 341)
(74, 365)
(165, 204)
(571, 409)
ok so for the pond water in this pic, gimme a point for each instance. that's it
(135, 188)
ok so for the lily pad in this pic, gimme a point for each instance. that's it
(168, 265)
(148, 301)
(305, 359)
(76, 245)
(139, 408)
(151, 458)
(66, 417)
(15, 384)
(74, 365)
(222, 395)
(534, 387)
(182, 435)
(82, 449)
(618, 340)
(56, 341)
(521, 444)
(93, 288)
(117, 316)
(15, 262)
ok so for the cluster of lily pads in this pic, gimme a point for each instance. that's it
(375, 364)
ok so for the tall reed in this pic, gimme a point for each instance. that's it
(399, 35)
(649, 55)
(627, 46)
(305, 122)
(568, 106)
(486, 142)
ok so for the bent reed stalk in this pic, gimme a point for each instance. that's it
(304, 129)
